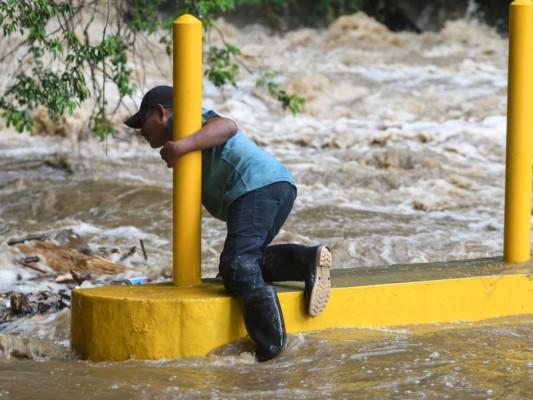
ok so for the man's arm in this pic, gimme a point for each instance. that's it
(216, 131)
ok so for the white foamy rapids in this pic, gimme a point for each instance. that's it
(398, 154)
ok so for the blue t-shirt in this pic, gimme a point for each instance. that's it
(234, 168)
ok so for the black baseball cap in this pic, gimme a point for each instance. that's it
(158, 95)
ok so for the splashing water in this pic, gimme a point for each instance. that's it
(398, 157)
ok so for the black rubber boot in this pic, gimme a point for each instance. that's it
(295, 262)
(264, 321)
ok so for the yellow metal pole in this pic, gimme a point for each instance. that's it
(517, 228)
(188, 171)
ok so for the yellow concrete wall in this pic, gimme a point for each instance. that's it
(163, 321)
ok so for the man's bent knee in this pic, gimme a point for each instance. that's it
(241, 274)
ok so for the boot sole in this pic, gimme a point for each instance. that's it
(320, 292)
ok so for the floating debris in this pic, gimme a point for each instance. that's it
(24, 239)
(144, 250)
(63, 259)
(71, 264)
(20, 304)
(80, 277)
(132, 281)
(129, 253)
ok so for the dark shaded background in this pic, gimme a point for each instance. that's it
(397, 15)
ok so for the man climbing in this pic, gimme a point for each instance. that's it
(253, 193)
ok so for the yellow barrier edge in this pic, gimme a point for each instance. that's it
(140, 327)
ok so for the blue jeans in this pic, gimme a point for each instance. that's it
(254, 219)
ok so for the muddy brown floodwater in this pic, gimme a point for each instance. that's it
(399, 158)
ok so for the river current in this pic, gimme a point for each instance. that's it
(399, 157)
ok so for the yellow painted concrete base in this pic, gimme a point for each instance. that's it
(158, 321)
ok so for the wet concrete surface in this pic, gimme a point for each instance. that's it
(404, 273)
